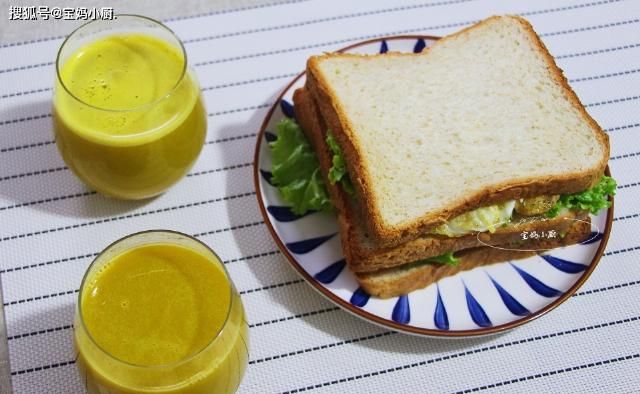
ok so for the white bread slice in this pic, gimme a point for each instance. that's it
(481, 117)
(363, 254)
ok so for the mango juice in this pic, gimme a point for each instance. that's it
(160, 318)
(128, 114)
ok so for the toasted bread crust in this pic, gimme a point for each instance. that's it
(397, 281)
(385, 234)
(314, 128)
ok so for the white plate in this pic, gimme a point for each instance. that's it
(481, 301)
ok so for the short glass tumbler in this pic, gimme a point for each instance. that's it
(106, 365)
(128, 114)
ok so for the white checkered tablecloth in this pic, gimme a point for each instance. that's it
(51, 226)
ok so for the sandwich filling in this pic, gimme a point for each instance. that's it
(338, 171)
(479, 220)
(446, 258)
(296, 173)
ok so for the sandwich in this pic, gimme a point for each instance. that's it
(472, 152)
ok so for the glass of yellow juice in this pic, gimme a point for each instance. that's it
(158, 313)
(128, 115)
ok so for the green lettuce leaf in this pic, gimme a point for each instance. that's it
(338, 170)
(296, 171)
(591, 200)
(447, 258)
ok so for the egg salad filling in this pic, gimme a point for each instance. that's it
(493, 216)
(479, 220)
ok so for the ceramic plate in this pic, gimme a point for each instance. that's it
(484, 300)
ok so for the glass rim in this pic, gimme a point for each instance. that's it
(176, 363)
(183, 72)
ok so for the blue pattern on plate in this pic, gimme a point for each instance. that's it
(359, 297)
(420, 45)
(440, 317)
(267, 175)
(284, 214)
(384, 48)
(564, 265)
(307, 245)
(287, 109)
(401, 311)
(330, 273)
(269, 136)
(509, 301)
(593, 238)
(537, 285)
(478, 315)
